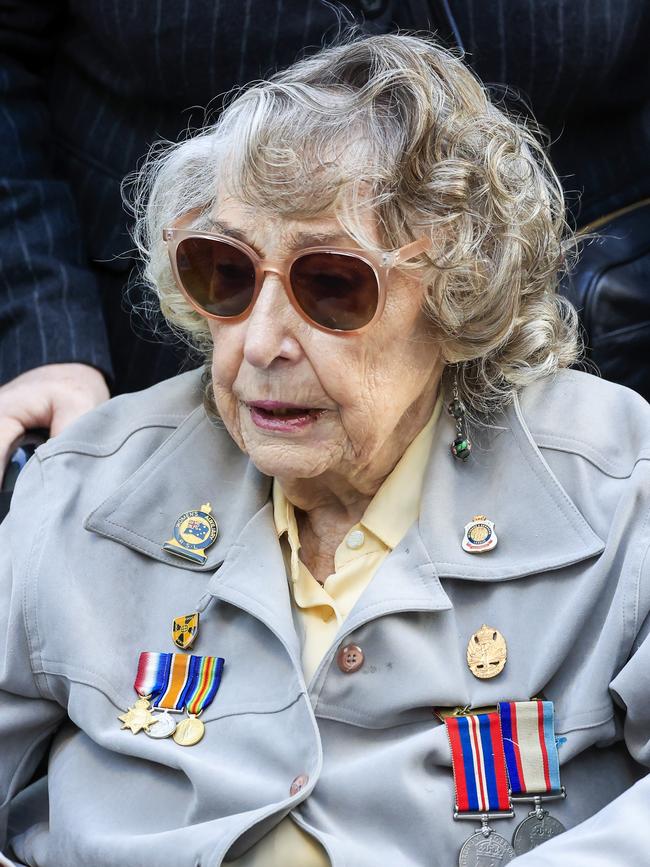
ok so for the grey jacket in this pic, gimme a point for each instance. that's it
(85, 586)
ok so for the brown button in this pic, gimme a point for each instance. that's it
(350, 658)
(299, 783)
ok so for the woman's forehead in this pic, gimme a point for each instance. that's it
(254, 225)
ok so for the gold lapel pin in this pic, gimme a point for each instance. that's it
(487, 652)
(185, 629)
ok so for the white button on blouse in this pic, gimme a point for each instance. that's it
(355, 539)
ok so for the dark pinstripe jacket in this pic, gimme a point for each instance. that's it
(85, 88)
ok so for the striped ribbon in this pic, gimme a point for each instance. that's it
(529, 744)
(182, 673)
(206, 683)
(478, 763)
(153, 673)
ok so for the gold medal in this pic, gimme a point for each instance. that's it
(194, 531)
(189, 732)
(138, 717)
(487, 652)
(185, 629)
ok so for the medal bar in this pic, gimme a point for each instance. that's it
(481, 785)
(207, 673)
(533, 768)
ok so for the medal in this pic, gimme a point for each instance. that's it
(149, 680)
(194, 531)
(163, 727)
(185, 629)
(207, 678)
(480, 535)
(170, 683)
(189, 732)
(161, 681)
(138, 717)
(481, 785)
(533, 768)
(487, 653)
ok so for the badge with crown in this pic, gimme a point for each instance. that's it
(194, 531)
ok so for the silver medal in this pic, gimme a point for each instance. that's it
(163, 727)
(485, 851)
(534, 831)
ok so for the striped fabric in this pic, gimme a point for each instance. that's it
(181, 677)
(529, 744)
(478, 763)
(205, 684)
(153, 673)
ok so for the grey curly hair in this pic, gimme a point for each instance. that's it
(398, 124)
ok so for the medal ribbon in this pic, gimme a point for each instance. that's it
(529, 745)
(181, 674)
(206, 683)
(153, 673)
(478, 763)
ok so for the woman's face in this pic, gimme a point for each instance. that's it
(357, 395)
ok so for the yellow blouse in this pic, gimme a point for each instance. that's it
(323, 608)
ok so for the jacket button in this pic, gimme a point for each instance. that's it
(350, 658)
(299, 783)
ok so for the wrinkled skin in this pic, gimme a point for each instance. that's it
(377, 388)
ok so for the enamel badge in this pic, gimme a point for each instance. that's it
(194, 531)
(480, 535)
(185, 629)
(486, 653)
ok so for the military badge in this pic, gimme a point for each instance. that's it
(185, 629)
(487, 652)
(480, 535)
(194, 531)
(138, 717)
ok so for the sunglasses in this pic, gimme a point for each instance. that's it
(335, 290)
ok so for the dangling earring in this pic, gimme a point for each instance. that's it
(461, 446)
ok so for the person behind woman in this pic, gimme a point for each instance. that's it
(359, 243)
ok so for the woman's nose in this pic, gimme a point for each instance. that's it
(271, 326)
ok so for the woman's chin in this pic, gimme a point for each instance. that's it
(289, 460)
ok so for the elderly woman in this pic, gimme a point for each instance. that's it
(266, 615)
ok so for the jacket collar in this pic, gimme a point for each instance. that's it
(198, 463)
(507, 479)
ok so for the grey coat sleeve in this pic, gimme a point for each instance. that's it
(619, 834)
(28, 715)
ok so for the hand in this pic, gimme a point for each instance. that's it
(49, 397)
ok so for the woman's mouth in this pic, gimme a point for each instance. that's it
(273, 415)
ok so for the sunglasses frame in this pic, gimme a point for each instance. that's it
(380, 263)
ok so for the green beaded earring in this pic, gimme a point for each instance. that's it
(461, 446)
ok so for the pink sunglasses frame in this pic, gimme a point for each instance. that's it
(380, 263)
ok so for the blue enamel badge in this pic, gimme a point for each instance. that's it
(194, 531)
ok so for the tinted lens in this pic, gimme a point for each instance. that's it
(335, 290)
(218, 276)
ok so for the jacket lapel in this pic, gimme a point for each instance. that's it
(506, 479)
(198, 463)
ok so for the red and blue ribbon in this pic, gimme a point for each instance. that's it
(529, 744)
(478, 763)
(153, 674)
